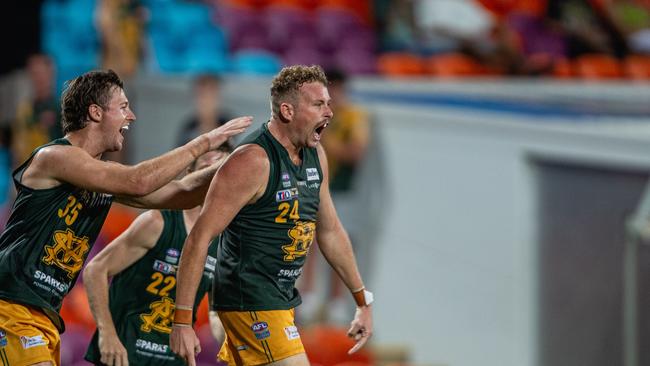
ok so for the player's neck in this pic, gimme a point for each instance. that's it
(85, 140)
(279, 130)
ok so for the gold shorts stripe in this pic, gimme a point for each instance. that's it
(3, 356)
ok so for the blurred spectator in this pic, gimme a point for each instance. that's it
(588, 26)
(38, 118)
(347, 137)
(346, 142)
(429, 27)
(120, 24)
(207, 109)
(634, 18)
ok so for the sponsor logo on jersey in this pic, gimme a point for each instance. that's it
(3, 339)
(302, 183)
(290, 273)
(312, 174)
(286, 184)
(172, 255)
(51, 281)
(35, 341)
(151, 346)
(291, 332)
(285, 176)
(314, 185)
(261, 330)
(210, 263)
(164, 267)
(286, 194)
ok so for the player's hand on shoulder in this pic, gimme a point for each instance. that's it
(229, 129)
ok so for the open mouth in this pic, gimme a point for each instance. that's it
(319, 130)
(124, 129)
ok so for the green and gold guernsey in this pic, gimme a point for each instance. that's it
(46, 241)
(142, 297)
(262, 251)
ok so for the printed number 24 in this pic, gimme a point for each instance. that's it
(284, 210)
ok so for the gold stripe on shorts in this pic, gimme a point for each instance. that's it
(3, 357)
(265, 344)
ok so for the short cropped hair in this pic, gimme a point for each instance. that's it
(285, 85)
(94, 87)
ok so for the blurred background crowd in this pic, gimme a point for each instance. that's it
(48, 42)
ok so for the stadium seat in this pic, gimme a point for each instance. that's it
(246, 3)
(400, 64)
(356, 61)
(328, 345)
(306, 56)
(360, 8)
(597, 67)
(289, 25)
(637, 67)
(255, 62)
(334, 25)
(298, 4)
(454, 65)
(563, 69)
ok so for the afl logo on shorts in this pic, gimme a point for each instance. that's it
(261, 330)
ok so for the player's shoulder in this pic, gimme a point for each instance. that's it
(149, 223)
(250, 155)
(247, 163)
(55, 153)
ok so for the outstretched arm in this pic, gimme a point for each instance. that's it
(74, 165)
(125, 250)
(185, 193)
(335, 245)
(240, 181)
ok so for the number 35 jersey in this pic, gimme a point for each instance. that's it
(142, 298)
(47, 239)
(262, 251)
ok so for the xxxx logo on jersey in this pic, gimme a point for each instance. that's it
(67, 252)
(160, 317)
(302, 235)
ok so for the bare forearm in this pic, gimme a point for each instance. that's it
(182, 194)
(155, 173)
(96, 285)
(190, 270)
(337, 250)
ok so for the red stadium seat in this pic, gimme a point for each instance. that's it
(455, 65)
(400, 64)
(637, 67)
(598, 67)
(328, 345)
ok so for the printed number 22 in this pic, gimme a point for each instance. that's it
(284, 210)
(158, 278)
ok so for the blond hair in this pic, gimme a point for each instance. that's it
(286, 83)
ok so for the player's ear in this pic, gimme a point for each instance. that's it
(95, 113)
(287, 111)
